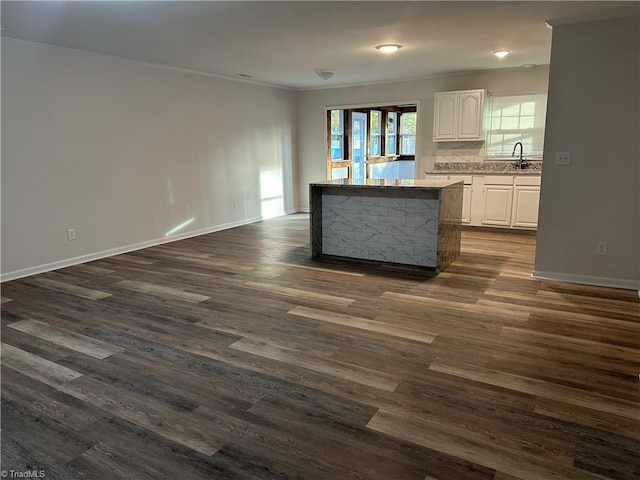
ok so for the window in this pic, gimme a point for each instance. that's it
(337, 133)
(392, 133)
(408, 133)
(360, 137)
(516, 118)
(375, 118)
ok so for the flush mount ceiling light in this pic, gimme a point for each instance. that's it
(388, 47)
(324, 73)
(501, 53)
(529, 66)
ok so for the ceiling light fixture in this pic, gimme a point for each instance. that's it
(388, 47)
(529, 66)
(324, 73)
(501, 53)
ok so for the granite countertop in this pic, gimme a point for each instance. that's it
(485, 168)
(381, 183)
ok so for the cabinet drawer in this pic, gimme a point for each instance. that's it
(436, 177)
(528, 180)
(466, 179)
(498, 180)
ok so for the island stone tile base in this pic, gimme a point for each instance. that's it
(415, 225)
(388, 229)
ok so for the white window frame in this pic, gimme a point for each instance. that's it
(341, 134)
(500, 137)
(373, 135)
(392, 134)
(404, 135)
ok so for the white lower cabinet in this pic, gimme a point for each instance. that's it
(497, 205)
(466, 204)
(467, 192)
(507, 201)
(525, 206)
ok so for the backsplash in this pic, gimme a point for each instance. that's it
(534, 167)
(460, 152)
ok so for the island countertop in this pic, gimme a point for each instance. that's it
(382, 183)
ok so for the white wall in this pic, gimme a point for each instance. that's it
(593, 112)
(311, 106)
(125, 153)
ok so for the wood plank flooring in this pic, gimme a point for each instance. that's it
(235, 356)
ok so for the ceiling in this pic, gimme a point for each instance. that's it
(282, 43)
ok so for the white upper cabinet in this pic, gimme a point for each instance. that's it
(470, 115)
(457, 116)
(445, 121)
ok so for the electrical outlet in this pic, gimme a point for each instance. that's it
(71, 234)
(563, 158)
(235, 205)
(601, 248)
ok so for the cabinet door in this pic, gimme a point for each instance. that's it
(525, 206)
(466, 195)
(466, 204)
(497, 205)
(470, 115)
(445, 116)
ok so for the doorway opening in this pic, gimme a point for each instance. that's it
(376, 142)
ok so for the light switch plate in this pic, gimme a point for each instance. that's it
(563, 158)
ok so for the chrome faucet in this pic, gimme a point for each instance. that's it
(521, 163)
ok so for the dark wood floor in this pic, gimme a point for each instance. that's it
(234, 356)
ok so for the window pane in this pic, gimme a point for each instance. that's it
(526, 122)
(374, 149)
(527, 143)
(336, 147)
(375, 122)
(408, 145)
(391, 145)
(408, 133)
(392, 123)
(336, 134)
(528, 108)
(509, 123)
(408, 123)
(336, 121)
(511, 110)
(338, 173)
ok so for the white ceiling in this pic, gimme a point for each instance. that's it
(282, 43)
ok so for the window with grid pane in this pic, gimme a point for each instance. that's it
(516, 118)
(337, 132)
(375, 149)
(408, 122)
(392, 132)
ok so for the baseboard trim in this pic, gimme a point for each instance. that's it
(587, 280)
(27, 272)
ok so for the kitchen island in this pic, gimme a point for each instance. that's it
(411, 222)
